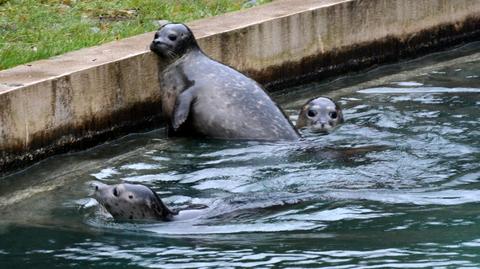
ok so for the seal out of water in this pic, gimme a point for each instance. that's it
(320, 114)
(202, 97)
(131, 202)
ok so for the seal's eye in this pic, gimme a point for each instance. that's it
(130, 196)
(172, 37)
(333, 115)
(156, 36)
(115, 192)
(311, 113)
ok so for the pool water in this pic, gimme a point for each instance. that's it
(396, 186)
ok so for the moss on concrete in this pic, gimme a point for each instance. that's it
(37, 29)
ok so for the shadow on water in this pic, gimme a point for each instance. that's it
(397, 185)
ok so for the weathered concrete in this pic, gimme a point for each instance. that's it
(85, 97)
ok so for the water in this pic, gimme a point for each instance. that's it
(406, 196)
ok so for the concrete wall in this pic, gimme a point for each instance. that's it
(85, 97)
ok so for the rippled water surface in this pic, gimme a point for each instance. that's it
(396, 186)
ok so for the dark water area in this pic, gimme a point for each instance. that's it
(396, 186)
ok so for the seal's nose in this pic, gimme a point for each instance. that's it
(156, 43)
(94, 186)
(158, 40)
(323, 121)
(97, 186)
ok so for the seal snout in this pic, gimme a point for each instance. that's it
(157, 43)
(99, 190)
(156, 46)
(161, 47)
(97, 185)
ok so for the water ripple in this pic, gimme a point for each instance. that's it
(383, 90)
(396, 186)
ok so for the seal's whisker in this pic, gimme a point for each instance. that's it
(171, 54)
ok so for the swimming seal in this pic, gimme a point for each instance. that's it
(320, 114)
(202, 97)
(131, 202)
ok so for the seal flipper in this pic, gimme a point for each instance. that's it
(182, 108)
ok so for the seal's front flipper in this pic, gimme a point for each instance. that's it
(182, 108)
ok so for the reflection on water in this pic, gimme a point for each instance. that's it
(397, 185)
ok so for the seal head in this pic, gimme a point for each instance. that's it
(131, 202)
(171, 41)
(320, 114)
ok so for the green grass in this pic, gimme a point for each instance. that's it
(37, 29)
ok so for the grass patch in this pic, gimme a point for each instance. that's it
(37, 29)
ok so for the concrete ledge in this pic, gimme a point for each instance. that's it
(85, 97)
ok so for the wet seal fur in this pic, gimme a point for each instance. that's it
(202, 97)
(134, 202)
(320, 115)
(131, 202)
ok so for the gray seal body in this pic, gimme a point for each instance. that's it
(320, 114)
(131, 202)
(203, 97)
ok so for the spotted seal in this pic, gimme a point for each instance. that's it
(131, 202)
(320, 114)
(137, 202)
(202, 97)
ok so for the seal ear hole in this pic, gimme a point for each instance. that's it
(333, 115)
(311, 113)
(130, 196)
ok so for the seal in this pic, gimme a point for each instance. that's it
(135, 202)
(131, 202)
(202, 97)
(320, 114)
